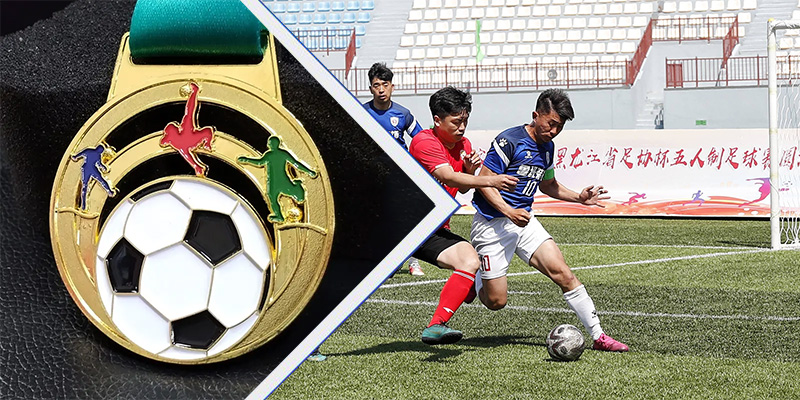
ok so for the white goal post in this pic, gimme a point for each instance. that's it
(784, 141)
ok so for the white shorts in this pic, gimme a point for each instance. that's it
(497, 240)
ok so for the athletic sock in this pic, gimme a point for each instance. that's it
(580, 302)
(453, 294)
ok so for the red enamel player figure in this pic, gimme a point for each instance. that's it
(187, 137)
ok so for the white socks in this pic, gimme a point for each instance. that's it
(580, 302)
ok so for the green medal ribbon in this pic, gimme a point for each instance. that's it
(196, 30)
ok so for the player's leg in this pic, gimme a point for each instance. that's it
(84, 190)
(449, 251)
(105, 185)
(495, 242)
(276, 214)
(494, 293)
(544, 255)
(414, 267)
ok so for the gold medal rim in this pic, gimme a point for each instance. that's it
(231, 94)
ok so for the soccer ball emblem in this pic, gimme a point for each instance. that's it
(565, 343)
(183, 268)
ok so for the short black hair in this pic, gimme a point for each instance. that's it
(380, 71)
(450, 101)
(555, 99)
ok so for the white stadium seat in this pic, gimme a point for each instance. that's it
(529, 36)
(544, 36)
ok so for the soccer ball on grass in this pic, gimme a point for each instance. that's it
(565, 343)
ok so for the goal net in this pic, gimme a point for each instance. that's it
(784, 133)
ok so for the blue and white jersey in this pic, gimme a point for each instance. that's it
(515, 153)
(397, 120)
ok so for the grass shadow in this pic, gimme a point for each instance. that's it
(442, 352)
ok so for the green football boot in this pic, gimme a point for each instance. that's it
(440, 334)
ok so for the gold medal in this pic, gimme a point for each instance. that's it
(192, 216)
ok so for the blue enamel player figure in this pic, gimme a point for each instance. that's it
(93, 168)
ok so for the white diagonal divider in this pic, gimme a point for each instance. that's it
(444, 205)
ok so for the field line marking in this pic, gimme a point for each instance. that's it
(671, 246)
(657, 260)
(623, 313)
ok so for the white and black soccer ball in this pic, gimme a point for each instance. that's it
(565, 343)
(183, 268)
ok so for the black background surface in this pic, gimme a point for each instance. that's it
(54, 75)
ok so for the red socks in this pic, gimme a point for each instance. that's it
(453, 294)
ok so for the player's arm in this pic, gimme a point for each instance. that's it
(82, 154)
(305, 168)
(464, 182)
(519, 216)
(590, 195)
(414, 127)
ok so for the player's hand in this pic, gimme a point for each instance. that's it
(519, 216)
(504, 182)
(591, 196)
(471, 161)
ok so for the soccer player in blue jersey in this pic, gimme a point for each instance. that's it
(503, 224)
(393, 117)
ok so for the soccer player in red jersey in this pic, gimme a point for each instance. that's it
(448, 156)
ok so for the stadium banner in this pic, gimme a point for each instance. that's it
(692, 172)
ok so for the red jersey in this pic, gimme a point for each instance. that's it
(432, 154)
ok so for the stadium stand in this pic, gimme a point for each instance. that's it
(324, 25)
(522, 31)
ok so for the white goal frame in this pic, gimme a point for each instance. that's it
(772, 69)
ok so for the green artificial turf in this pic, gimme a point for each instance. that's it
(708, 311)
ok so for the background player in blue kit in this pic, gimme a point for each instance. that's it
(503, 224)
(393, 117)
